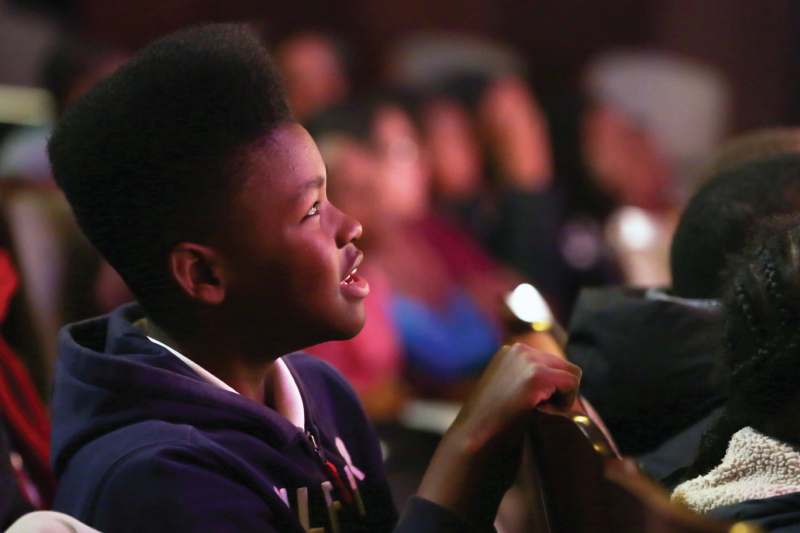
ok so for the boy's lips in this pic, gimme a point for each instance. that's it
(353, 285)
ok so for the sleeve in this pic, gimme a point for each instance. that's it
(181, 488)
(424, 516)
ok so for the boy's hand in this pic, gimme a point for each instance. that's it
(479, 455)
(518, 379)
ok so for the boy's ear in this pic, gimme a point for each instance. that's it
(198, 270)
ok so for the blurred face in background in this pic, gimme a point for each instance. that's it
(403, 170)
(517, 134)
(314, 73)
(624, 159)
(454, 148)
(381, 182)
(352, 184)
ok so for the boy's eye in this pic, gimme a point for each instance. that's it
(314, 210)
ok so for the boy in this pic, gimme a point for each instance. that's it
(186, 171)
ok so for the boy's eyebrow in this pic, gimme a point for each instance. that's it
(316, 183)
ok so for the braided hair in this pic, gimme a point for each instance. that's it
(761, 326)
(719, 216)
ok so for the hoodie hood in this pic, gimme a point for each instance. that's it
(110, 375)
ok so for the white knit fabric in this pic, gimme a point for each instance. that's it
(755, 467)
(49, 522)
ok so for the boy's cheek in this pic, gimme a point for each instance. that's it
(312, 275)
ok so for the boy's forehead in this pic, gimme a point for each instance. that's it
(287, 161)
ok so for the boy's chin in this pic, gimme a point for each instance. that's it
(351, 325)
(347, 331)
(341, 325)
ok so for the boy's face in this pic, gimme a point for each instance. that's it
(288, 252)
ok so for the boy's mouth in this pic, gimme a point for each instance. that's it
(356, 256)
(353, 285)
(349, 279)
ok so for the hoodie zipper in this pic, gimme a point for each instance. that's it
(330, 472)
(314, 446)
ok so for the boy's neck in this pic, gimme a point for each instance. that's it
(220, 359)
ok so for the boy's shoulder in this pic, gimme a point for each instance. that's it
(143, 473)
(115, 452)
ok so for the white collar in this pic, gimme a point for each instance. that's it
(288, 401)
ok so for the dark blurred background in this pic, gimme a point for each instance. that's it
(753, 42)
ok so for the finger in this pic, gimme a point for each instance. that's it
(548, 359)
(564, 400)
(563, 387)
(500, 354)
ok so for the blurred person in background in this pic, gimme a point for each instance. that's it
(619, 206)
(617, 186)
(71, 67)
(63, 279)
(25, 36)
(652, 122)
(315, 70)
(490, 150)
(492, 156)
(26, 480)
(629, 169)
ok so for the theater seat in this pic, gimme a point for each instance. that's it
(582, 486)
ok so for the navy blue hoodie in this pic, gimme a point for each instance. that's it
(140, 442)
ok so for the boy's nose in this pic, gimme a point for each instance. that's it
(349, 230)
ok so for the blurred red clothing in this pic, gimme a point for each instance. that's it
(21, 410)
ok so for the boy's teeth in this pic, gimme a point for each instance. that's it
(349, 278)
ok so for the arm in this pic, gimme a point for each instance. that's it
(479, 455)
